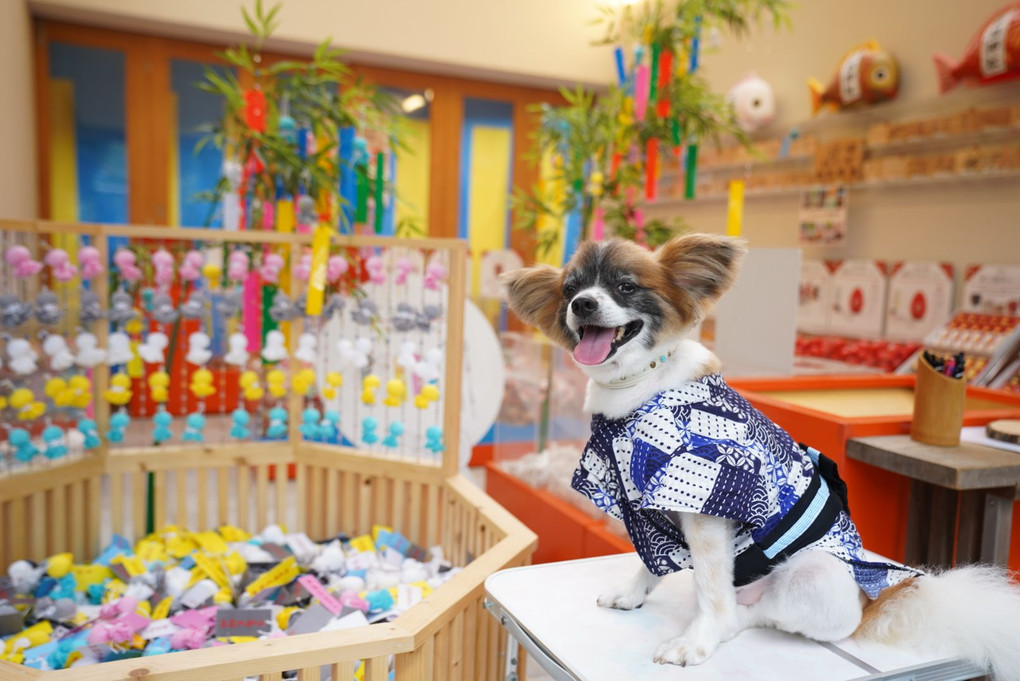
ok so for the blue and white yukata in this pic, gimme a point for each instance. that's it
(702, 448)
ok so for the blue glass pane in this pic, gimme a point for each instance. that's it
(96, 77)
(198, 171)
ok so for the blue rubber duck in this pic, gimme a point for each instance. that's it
(21, 441)
(193, 430)
(310, 424)
(240, 419)
(434, 439)
(368, 434)
(118, 423)
(330, 425)
(89, 430)
(396, 430)
(53, 436)
(162, 420)
(277, 423)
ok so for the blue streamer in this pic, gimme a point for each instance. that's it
(348, 181)
(572, 234)
(695, 44)
(621, 69)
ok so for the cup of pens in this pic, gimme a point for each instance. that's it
(939, 395)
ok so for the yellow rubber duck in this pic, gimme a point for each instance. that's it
(303, 381)
(429, 393)
(212, 273)
(368, 387)
(119, 392)
(21, 397)
(276, 381)
(135, 367)
(202, 383)
(334, 379)
(249, 382)
(57, 390)
(396, 391)
(81, 391)
(32, 411)
(159, 386)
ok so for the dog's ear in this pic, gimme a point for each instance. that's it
(700, 268)
(534, 294)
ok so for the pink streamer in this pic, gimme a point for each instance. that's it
(252, 319)
(598, 224)
(642, 82)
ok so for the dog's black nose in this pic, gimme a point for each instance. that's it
(584, 306)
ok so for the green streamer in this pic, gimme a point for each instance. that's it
(690, 171)
(380, 172)
(653, 87)
(361, 208)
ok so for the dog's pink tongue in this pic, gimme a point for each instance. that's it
(595, 346)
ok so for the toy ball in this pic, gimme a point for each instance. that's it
(430, 392)
(120, 420)
(371, 381)
(753, 102)
(212, 272)
(421, 402)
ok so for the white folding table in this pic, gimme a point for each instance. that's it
(550, 611)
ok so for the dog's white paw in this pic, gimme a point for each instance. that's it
(623, 598)
(685, 650)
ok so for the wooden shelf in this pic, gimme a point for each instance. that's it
(866, 185)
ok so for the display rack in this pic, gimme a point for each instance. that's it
(53, 506)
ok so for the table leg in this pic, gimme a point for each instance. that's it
(916, 552)
(942, 526)
(998, 524)
(968, 541)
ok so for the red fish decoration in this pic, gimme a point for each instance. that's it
(992, 55)
(866, 75)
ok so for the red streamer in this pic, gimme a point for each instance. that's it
(651, 167)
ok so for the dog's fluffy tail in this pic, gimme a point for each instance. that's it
(972, 612)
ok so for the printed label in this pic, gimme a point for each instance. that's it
(284, 573)
(316, 589)
(243, 622)
(850, 78)
(993, 46)
(213, 570)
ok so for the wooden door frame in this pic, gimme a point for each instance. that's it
(147, 102)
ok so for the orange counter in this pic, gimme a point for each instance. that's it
(822, 411)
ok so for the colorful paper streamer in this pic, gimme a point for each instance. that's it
(735, 209)
(641, 85)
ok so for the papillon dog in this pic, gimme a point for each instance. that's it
(704, 481)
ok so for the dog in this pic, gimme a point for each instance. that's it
(704, 481)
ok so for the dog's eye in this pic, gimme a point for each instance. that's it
(569, 290)
(626, 287)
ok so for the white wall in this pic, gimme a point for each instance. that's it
(17, 123)
(966, 222)
(824, 30)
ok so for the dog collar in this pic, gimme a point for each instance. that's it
(634, 379)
